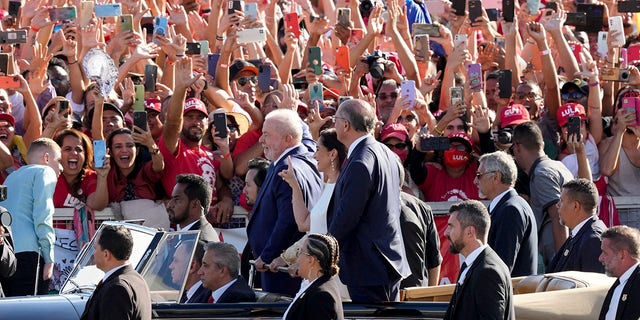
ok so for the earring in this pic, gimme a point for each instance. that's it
(333, 165)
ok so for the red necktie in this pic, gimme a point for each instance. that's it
(211, 300)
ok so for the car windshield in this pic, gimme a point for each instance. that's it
(86, 275)
(166, 271)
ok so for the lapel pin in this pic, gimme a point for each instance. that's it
(566, 252)
(624, 297)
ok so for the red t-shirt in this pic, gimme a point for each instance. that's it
(246, 141)
(62, 198)
(439, 186)
(143, 184)
(200, 161)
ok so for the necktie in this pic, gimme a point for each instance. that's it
(454, 296)
(462, 268)
(211, 300)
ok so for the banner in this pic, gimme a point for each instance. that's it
(65, 251)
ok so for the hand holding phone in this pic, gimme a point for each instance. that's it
(220, 124)
(408, 91)
(573, 126)
(99, 153)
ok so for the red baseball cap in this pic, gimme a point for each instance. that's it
(570, 110)
(195, 104)
(153, 104)
(461, 137)
(8, 118)
(394, 130)
(513, 114)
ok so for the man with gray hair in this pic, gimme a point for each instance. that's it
(483, 289)
(219, 273)
(513, 234)
(272, 227)
(364, 215)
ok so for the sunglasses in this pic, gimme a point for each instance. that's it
(407, 118)
(399, 145)
(384, 96)
(575, 95)
(244, 80)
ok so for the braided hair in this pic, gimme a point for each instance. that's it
(325, 248)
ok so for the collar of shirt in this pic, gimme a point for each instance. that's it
(112, 271)
(577, 228)
(187, 227)
(193, 289)
(285, 152)
(218, 293)
(627, 274)
(355, 144)
(497, 199)
(469, 261)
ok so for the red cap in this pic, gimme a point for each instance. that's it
(461, 137)
(153, 104)
(195, 104)
(8, 118)
(570, 110)
(394, 130)
(513, 114)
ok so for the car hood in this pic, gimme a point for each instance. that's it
(51, 307)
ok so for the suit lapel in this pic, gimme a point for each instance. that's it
(502, 201)
(622, 304)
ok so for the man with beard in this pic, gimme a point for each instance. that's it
(272, 227)
(620, 256)
(191, 196)
(182, 149)
(484, 288)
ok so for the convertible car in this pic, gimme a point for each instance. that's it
(572, 295)
(152, 254)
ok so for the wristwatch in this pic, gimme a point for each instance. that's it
(155, 150)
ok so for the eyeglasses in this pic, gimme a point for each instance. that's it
(480, 174)
(399, 145)
(574, 95)
(407, 118)
(244, 80)
(384, 96)
(459, 147)
(511, 148)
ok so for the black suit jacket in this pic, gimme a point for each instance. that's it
(201, 295)
(421, 240)
(239, 291)
(628, 306)
(7, 261)
(321, 301)
(581, 252)
(123, 295)
(207, 233)
(486, 292)
(364, 216)
(513, 234)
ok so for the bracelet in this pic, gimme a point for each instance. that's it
(34, 29)
(225, 156)
(219, 38)
(169, 62)
(545, 52)
(439, 132)
(593, 84)
(70, 63)
(224, 65)
(531, 41)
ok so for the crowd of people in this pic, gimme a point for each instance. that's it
(327, 117)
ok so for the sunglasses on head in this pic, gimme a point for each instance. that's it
(399, 145)
(575, 95)
(407, 118)
(244, 80)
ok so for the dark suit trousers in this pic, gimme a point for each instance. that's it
(368, 294)
(23, 282)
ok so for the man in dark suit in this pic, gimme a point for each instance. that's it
(620, 257)
(577, 208)
(219, 273)
(194, 292)
(189, 201)
(364, 214)
(122, 293)
(483, 290)
(513, 234)
(7, 257)
(272, 227)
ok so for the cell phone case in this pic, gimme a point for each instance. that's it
(9, 82)
(62, 14)
(204, 48)
(475, 10)
(234, 5)
(193, 48)
(421, 45)
(615, 23)
(344, 16)
(342, 58)
(264, 78)
(315, 92)
(108, 10)
(508, 7)
(251, 11)
(474, 73)
(14, 36)
(504, 83)
(220, 124)
(212, 64)
(603, 47)
(573, 126)
(408, 89)
(99, 152)
(160, 26)
(459, 7)
(138, 103)
(4, 63)
(252, 35)
(126, 23)
(150, 77)
(292, 24)
(456, 94)
(315, 59)
(140, 119)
